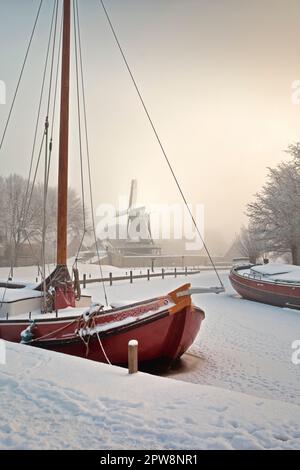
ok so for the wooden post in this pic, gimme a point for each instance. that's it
(148, 274)
(163, 273)
(175, 272)
(131, 277)
(84, 281)
(110, 279)
(186, 271)
(133, 357)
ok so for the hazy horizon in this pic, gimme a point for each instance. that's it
(216, 76)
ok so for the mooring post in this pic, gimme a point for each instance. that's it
(148, 274)
(186, 271)
(133, 357)
(131, 277)
(175, 272)
(84, 281)
(163, 273)
(110, 279)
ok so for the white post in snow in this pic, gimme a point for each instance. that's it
(133, 357)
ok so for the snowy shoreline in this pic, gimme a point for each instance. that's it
(52, 401)
(242, 390)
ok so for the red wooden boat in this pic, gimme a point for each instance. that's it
(267, 285)
(165, 327)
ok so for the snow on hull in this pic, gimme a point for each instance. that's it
(63, 402)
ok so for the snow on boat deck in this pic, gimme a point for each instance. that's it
(276, 272)
(13, 295)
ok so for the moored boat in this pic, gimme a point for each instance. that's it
(59, 320)
(273, 284)
(165, 328)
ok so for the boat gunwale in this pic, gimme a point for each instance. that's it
(75, 339)
(261, 279)
(75, 317)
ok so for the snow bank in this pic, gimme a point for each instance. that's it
(51, 401)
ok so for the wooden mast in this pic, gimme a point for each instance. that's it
(62, 218)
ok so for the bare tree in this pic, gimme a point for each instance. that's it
(249, 244)
(22, 215)
(275, 215)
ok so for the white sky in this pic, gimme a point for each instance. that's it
(215, 74)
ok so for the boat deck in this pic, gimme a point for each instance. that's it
(273, 273)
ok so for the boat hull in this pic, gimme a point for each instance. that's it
(165, 338)
(164, 329)
(268, 292)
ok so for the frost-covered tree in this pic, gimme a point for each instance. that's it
(275, 214)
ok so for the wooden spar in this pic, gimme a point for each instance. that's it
(62, 217)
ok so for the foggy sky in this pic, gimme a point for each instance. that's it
(216, 76)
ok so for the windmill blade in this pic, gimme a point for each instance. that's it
(121, 214)
(136, 212)
(149, 230)
(133, 194)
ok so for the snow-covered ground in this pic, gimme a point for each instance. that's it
(51, 401)
(242, 346)
(241, 366)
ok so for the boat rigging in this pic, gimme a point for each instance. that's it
(166, 326)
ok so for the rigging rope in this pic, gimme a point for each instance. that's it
(53, 52)
(27, 200)
(55, 95)
(21, 75)
(80, 139)
(43, 292)
(22, 218)
(48, 154)
(159, 140)
(29, 191)
(88, 151)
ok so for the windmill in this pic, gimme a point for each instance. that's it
(138, 219)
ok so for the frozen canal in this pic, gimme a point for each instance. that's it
(242, 346)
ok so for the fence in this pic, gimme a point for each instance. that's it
(131, 277)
